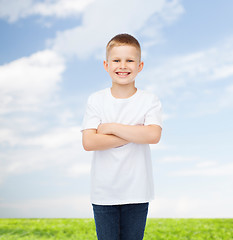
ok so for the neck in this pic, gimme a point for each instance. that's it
(123, 91)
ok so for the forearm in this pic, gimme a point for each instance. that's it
(133, 133)
(95, 142)
(136, 134)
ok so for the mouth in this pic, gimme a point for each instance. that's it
(123, 74)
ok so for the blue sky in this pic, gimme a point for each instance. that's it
(51, 55)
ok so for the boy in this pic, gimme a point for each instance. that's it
(119, 124)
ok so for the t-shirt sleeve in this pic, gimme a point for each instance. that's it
(154, 113)
(91, 118)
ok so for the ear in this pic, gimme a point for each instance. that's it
(140, 67)
(106, 65)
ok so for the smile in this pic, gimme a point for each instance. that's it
(123, 73)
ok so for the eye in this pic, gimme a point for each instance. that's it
(130, 60)
(116, 60)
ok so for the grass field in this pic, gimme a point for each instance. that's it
(84, 229)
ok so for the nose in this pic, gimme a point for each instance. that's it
(123, 64)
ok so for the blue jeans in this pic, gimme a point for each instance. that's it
(120, 222)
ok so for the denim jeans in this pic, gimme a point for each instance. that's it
(120, 222)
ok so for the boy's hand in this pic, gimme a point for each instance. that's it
(149, 134)
(108, 128)
(105, 128)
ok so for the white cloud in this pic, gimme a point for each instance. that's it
(72, 206)
(226, 99)
(213, 170)
(66, 116)
(56, 138)
(80, 207)
(206, 164)
(14, 10)
(192, 79)
(7, 136)
(213, 64)
(159, 146)
(61, 147)
(175, 159)
(191, 207)
(78, 169)
(103, 19)
(61, 8)
(29, 81)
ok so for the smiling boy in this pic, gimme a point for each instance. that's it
(119, 124)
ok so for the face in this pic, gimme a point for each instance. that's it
(123, 64)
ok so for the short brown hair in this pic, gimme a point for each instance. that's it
(121, 40)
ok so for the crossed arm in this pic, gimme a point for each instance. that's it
(110, 135)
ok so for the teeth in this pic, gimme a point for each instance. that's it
(119, 73)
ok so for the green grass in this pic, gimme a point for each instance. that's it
(82, 229)
(193, 229)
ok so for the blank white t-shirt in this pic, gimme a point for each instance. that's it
(122, 175)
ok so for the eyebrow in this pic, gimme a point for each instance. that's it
(116, 57)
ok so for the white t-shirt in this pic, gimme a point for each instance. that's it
(123, 174)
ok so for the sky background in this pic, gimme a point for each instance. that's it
(51, 60)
